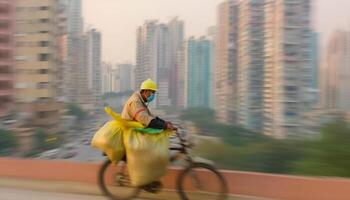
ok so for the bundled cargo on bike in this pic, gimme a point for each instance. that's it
(147, 154)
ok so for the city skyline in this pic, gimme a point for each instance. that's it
(328, 17)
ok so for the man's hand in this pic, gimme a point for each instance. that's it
(169, 125)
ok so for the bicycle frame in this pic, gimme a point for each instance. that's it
(183, 150)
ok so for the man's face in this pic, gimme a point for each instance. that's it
(147, 94)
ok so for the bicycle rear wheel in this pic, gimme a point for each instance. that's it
(114, 183)
(201, 181)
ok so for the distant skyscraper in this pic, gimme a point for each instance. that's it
(74, 16)
(75, 79)
(315, 59)
(288, 66)
(145, 65)
(336, 76)
(158, 50)
(176, 80)
(94, 63)
(7, 31)
(106, 74)
(198, 65)
(125, 71)
(225, 85)
(212, 31)
(180, 96)
(251, 64)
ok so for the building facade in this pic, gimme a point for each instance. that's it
(6, 56)
(288, 66)
(94, 63)
(158, 57)
(176, 48)
(251, 64)
(125, 72)
(198, 65)
(36, 64)
(225, 76)
(75, 67)
(336, 75)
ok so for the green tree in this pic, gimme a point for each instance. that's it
(44, 141)
(76, 110)
(8, 142)
(329, 155)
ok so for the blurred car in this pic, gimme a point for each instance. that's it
(50, 154)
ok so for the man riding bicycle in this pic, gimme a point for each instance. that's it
(136, 109)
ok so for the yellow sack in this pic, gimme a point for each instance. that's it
(147, 156)
(126, 124)
(109, 139)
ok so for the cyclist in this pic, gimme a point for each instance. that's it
(136, 109)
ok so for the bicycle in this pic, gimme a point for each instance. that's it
(115, 183)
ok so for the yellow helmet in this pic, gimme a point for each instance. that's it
(149, 85)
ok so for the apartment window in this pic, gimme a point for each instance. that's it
(44, 43)
(43, 57)
(4, 40)
(41, 114)
(42, 85)
(291, 88)
(4, 69)
(44, 20)
(43, 71)
(20, 58)
(4, 55)
(4, 24)
(290, 114)
(43, 8)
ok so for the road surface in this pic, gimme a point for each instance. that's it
(21, 194)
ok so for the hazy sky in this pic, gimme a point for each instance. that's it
(118, 20)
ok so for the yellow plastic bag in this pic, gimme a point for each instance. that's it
(124, 123)
(147, 156)
(109, 139)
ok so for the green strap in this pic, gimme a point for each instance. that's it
(151, 131)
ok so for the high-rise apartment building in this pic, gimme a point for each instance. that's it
(144, 52)
(211, 35)
(288, 66)
(36, 63)
(75, 79)
(158, 57)
(263, 68)
(6, 56)
(106, 73)
(225, 80)
(161, 58)
(176, 48)
(125, 71)
(251, 64)
(198, 66)
(336, 74)
(94, 63)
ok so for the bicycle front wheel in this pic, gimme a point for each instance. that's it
(201, 181)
